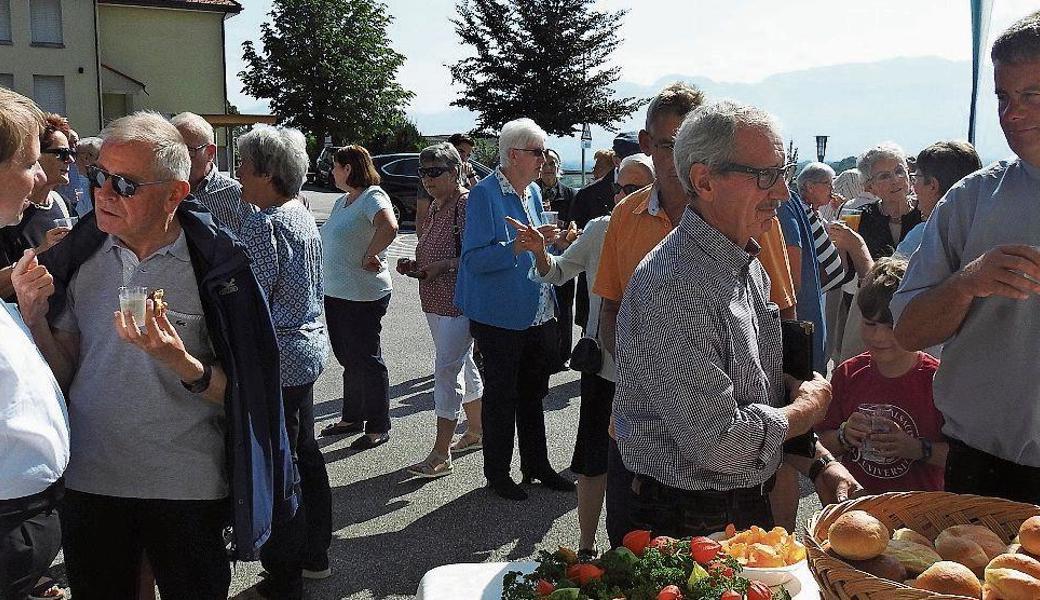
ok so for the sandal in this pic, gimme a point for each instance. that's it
(341, 428)
(435, 465)
(47, 589)
(469, 441)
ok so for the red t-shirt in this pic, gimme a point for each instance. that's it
(857, 381)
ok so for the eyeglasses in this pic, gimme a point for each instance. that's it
(193, 150)
(628, 189)
(63, 154)
(765, 177)
(888, 176)
(432, 172)
(122, 186)
(535, 151)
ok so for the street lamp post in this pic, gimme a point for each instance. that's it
(821, 147)
(586, 143)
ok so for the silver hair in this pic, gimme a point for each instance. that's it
(815, 172)
(518, 133)
(849, 184)
(280, 152)
(170, 156)
(194, 125)
(708, 135)
(883, 151)
(444, 154)
(638, 159)
(89, 145)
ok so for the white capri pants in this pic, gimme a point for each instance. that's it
(455, 376)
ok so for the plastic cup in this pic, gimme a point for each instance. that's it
(879, 415)
(851, 217)
(132, 302)
(550, 217)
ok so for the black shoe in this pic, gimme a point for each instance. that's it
(341, 428)
(367, 442)
(508, 489)
(551, 480)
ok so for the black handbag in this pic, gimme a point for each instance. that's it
(587, 356)
(797, 339)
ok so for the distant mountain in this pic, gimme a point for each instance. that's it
(912, 101)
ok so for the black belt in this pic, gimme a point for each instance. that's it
(20, 508)
(756, 491)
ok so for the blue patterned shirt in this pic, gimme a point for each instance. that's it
(546, 303)
(285, 249)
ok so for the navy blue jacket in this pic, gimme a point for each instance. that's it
(262, 475)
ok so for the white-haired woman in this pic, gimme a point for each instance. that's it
(512, 318)
(597, 389)
(885, 223)
(457, 382)
(285, 248)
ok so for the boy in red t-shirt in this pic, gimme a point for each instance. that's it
(906, 451)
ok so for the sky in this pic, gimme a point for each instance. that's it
(727, 41)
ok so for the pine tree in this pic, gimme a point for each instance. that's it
(543, 59)
(328, 69)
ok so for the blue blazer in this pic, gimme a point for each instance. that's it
(494, 285)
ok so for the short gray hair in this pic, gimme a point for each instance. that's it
(638, 159)
(280, 152)
(1019, 43)
(518, 133)
(708, 135)
(883, 151)
(815, 172)
(170, 156)
(194, 125)
(89, 146)
(444, 154)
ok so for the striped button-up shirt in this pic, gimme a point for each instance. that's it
(222, 196)
(699, 364)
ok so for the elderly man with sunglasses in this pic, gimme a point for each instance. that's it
(177, 422)
(701, 406)
(220, 194)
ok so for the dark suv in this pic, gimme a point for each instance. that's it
(399, 174)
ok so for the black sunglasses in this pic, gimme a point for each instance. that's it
(627, 189)
(766, 177)
(122, 186)
(535, 151)
(432, 172)
(63, 154)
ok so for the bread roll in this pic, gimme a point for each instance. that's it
(910, 535)
(1009, 584)
(947, 577)
(1029, 535)
(1019, 562)
(858, 535)
(971, 545)
(883, 566)
(914, 557)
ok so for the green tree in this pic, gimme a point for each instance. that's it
(543, 59)
(403, 136)
(328, 69)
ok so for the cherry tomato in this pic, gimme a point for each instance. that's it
(730, 595)
(758, 591)
(636, 541)
(669, 592)
(544, 588)
(704, 550)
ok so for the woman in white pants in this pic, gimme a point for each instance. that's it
(457, 382)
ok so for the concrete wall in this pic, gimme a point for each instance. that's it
(76, 62)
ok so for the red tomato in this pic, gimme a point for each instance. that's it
(583, 573)
(636, 541)
(544, 588)
(758, 591)
(730, 595)
(669, 592)
(704, 550)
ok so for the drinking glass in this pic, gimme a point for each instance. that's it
(550, 217)
(851, 217)
(879, 415)
(67, 223)
(132, 302)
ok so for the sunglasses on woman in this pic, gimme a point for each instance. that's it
(63, 154)
(432, 172)
(122, 186)
(629, 189)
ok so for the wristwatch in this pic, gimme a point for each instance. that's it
(926, 450)
(201, 384)
(818, 466)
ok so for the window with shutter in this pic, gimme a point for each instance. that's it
(5, 21)
(7, 80)
(49, 93)
(45, 19)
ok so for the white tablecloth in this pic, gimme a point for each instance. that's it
(483, 581)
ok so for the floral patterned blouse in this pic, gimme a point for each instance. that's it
(440, 230)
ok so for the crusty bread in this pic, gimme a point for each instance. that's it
(1029, 535)
(858, 535)
(1009, 584)
(910, 535)
(884, 566)
(914, 557)
(971, 545)
(948, 577)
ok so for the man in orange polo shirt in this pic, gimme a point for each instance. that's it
(637, 224)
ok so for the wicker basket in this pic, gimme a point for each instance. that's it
(928, 513)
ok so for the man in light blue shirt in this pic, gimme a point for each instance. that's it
(974, 285)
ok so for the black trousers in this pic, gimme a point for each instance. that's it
(354, 329)
(679, 513)
(581, 302)
(618, 496)
(516, 380)
(104, 538)
(972, 471)
(30, 538)
(565, 300)
(304, 541)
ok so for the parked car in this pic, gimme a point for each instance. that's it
(400, 178)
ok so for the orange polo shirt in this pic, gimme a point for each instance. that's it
(774, 259)
(636, 226)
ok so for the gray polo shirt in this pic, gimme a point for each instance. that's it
(136, 432)
(986, 386)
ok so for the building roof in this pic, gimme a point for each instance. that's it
(225, 6)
